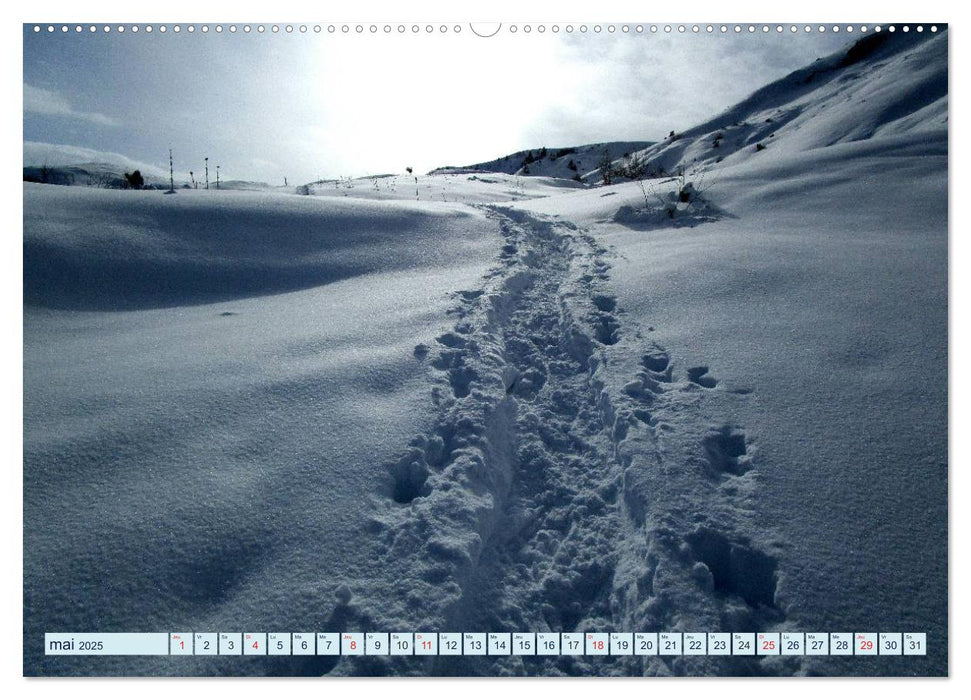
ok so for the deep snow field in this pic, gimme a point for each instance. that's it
(508, 403)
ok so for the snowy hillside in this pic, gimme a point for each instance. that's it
(112, 176)
(475, 401)
(882, 85)
(569, 162)
(801, 304)
(103, 175)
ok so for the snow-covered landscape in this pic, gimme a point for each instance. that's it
(701, 386)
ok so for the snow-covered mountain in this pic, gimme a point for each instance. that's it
(107, 175)
(881, 85)
(570, 162)
(112, 176)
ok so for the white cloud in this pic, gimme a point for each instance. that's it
(640, 87)
(40, 101)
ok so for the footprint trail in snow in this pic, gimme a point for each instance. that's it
(553, 495)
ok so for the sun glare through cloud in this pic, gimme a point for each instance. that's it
(310, 106)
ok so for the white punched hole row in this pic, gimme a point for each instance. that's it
(456, 29)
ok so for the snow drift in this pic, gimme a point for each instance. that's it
(105, 249)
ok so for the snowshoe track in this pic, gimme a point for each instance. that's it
(540, 501)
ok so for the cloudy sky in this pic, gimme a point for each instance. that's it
(308, 106)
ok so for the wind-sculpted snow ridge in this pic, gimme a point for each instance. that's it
(541, 502)
(109, 250)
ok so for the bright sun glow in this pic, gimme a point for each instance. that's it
(420, 101)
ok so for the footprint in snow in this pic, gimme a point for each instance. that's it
(727, 451)
(605, 302)
(699, 375)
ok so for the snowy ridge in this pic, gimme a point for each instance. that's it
(200, 246)
(540, 502)
(571, 163)
(882, 85)
(104, 175)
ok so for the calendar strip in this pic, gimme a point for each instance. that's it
(486, 644)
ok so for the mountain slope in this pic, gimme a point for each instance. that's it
(569, 162)
(814, 303)
(106, 175)
(882, 85)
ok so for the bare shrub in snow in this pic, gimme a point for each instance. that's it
(135, 180)
(634, 167)
(606, 168)
(683, 203)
